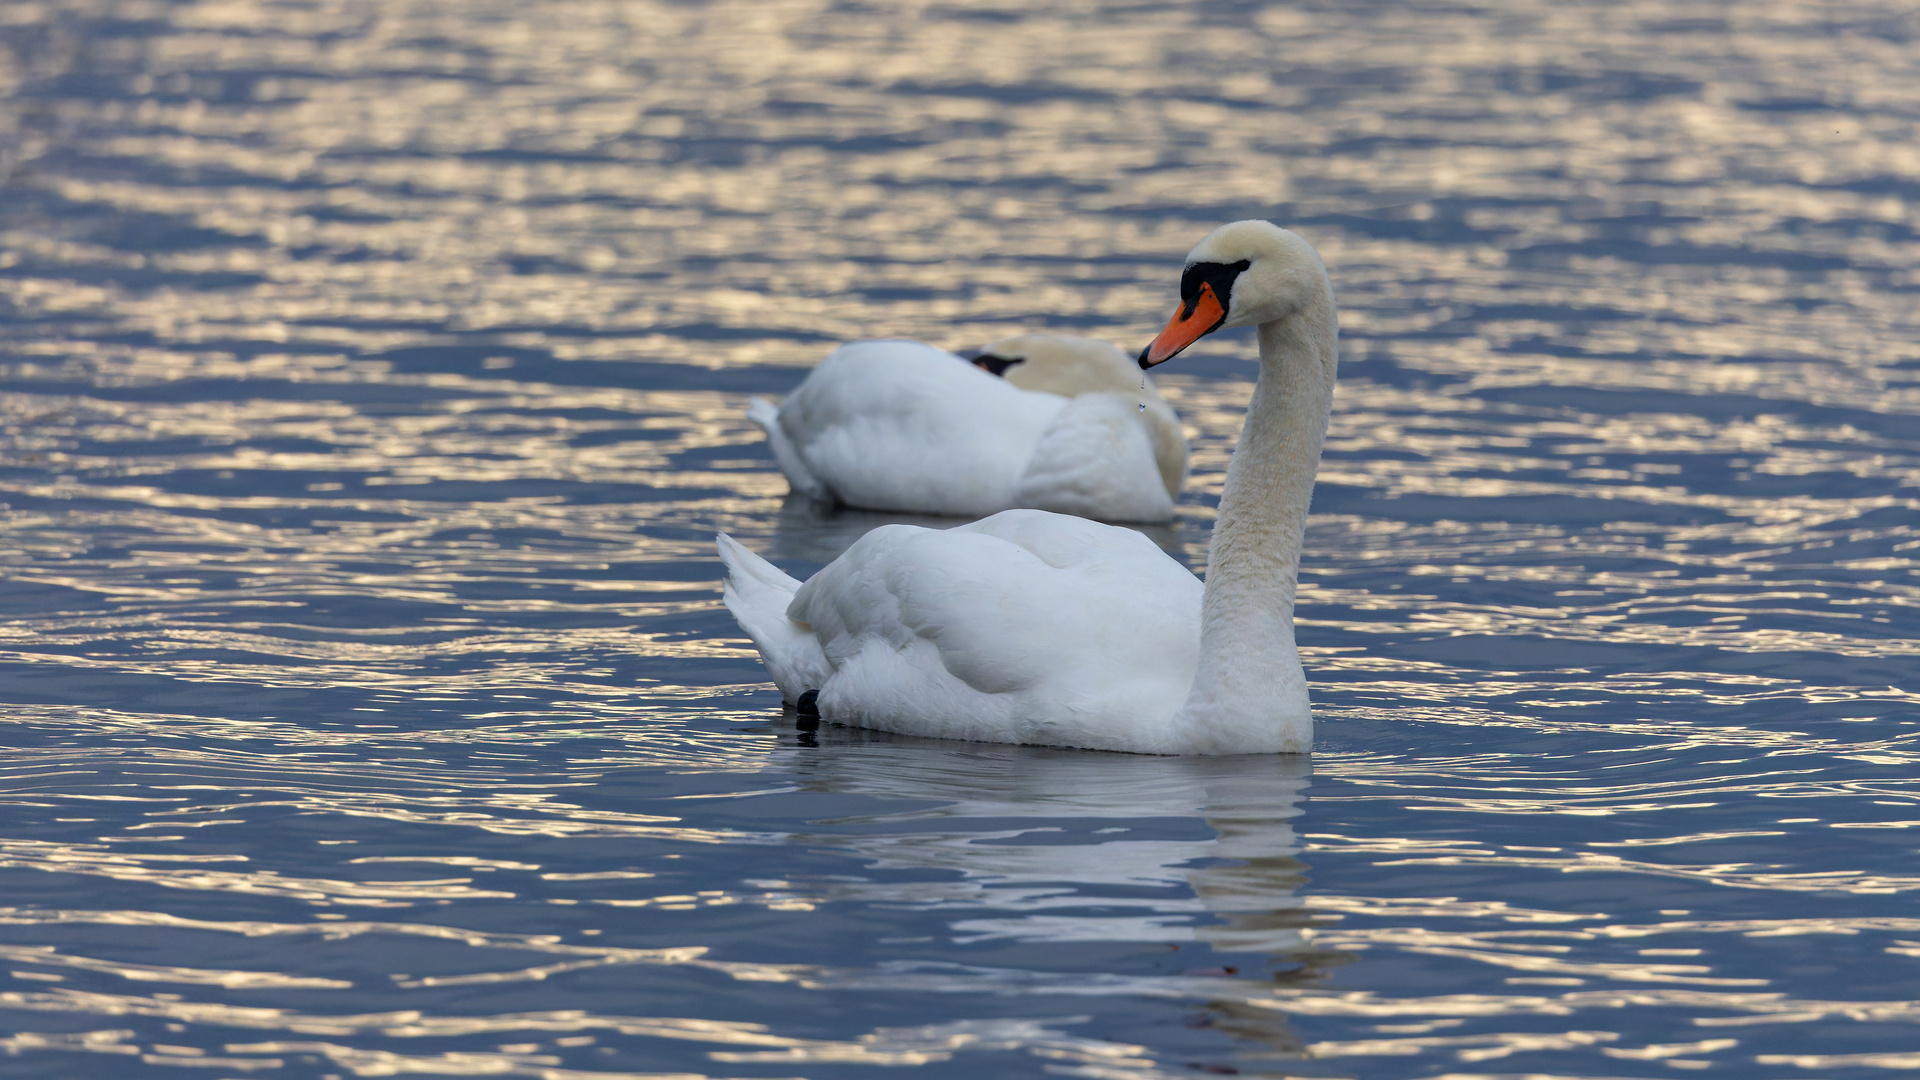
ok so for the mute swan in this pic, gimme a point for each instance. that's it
(1029, 627)
(897, 425)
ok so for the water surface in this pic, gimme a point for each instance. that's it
(372, 382)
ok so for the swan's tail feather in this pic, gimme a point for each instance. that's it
(766, 414)
(758, 593)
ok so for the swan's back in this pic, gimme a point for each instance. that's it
(1067, 365)
(1025, 627)
(900, 425)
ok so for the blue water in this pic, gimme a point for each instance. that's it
(371, 386)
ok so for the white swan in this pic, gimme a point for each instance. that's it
(1030, 627)
(897, 425)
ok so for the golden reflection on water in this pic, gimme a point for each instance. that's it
(1245, 875)
(373, 385)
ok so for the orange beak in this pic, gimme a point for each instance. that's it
(1186, 327)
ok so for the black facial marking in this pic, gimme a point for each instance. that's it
(995, 365)
(1219, 275)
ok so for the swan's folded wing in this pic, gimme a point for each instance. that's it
(904, 426)
(1097, 459)
(1052, 628)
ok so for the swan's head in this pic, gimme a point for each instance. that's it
(1060, 364)
(1243, 274)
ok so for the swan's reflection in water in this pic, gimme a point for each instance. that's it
(1062, 846)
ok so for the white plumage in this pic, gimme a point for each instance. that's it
(1034, 627)
(898, 425)
(1027, 627)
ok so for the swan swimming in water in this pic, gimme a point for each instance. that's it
(1031, 627)
(1072, 427)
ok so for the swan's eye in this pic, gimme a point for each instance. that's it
(1219, 275)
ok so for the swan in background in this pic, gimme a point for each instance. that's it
(1029, 627)
(1072, 427)
(1074, 367)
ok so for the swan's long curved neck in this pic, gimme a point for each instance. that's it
(1249, 694)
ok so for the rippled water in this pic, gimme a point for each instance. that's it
(373, 386)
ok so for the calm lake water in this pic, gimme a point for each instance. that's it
(371, 387)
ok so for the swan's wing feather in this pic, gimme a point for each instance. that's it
(905, 426)
(1025, 627)
(1097, 459)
